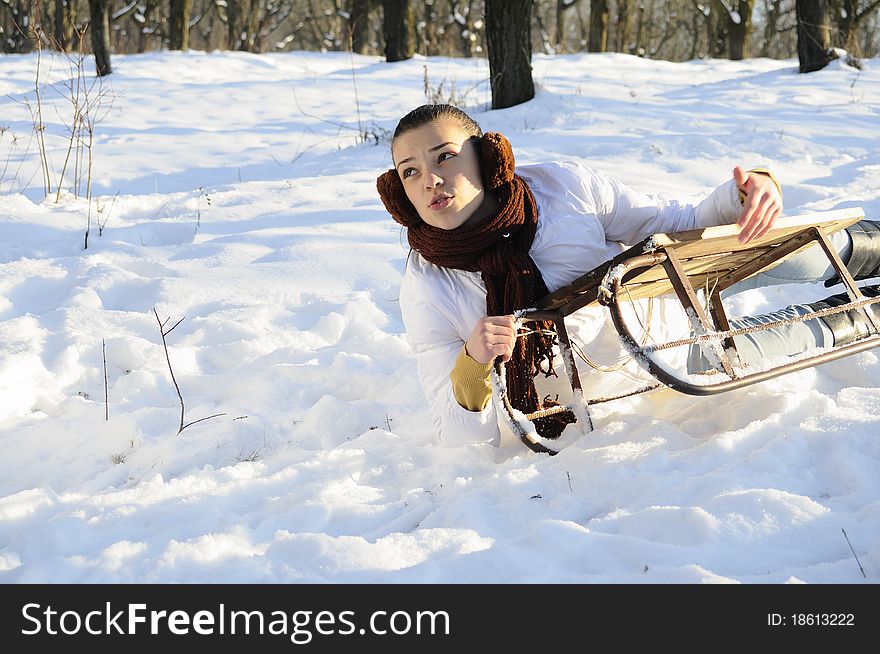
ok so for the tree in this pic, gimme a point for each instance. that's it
(359, 25)
(621, 33)
(562, 6)
(65, 23)
(100, 28)
(738, 26)
(772, 14)
(509, 45)
(848, 17)
(178, 30)
(813, 35)
(598, 26)
(397, 30)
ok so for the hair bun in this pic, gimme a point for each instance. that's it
(394, 198)
(497, 159)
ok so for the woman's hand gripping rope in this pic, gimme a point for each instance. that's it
(492, 336)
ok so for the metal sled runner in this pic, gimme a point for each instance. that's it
(711, 259)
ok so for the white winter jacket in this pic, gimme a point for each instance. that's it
(584, 219)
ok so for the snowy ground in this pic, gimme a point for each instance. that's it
(233, 192)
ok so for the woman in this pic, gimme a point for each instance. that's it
(487, 240)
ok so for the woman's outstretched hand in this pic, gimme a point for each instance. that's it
(493, 336)
(762, 204)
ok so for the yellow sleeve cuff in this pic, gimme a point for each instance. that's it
(763, 171)
(470, 382)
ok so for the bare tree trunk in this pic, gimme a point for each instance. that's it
(509, 44)
(179, 14)
(771, 22)
(253, 42)
(65, 22)
(640, 32)
(15, 16)
(100, 25)
(846, 25)
(598, 41)
(562, 8)
(234, 24)
(717, 22)
(739, 31)
(813, 35)
(426, 31)
(359, 24)
(397, 29)
(624, 11)
(848, 20)
(559, 36)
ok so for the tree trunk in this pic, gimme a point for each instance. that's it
(65, 21)
(559, 36)
(233, 25)
(562, 7)
(598, 41)
(253, 19)
(848, 21)
(716, 29)
(624, 8)
(739, 31)
(770, 26)
(846, 26)
(358, 24)
(509, 44)
(813, 35)
(179, 14)
(640, 32)
(396, 28)
(100, 27)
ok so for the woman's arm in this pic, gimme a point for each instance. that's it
(752, 199)
(437, 346)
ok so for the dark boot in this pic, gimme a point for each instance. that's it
(849, 326)
(864, 261)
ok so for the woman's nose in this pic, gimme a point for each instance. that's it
(433, 180)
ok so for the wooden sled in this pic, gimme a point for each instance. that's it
(712, 259)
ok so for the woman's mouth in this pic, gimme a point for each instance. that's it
(440, 202)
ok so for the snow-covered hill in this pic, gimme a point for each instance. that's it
(233, 191)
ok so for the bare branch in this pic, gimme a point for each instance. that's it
(175, 325)
(216, 415)
(106, 391)
(170, 369)
(854, 552)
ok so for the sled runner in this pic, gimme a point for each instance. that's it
(707, 260)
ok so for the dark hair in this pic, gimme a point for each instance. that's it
(428, 113)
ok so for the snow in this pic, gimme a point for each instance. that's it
(234, 193)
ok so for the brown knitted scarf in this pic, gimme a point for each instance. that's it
(498, 248)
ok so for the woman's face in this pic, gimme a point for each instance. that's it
(441, 174)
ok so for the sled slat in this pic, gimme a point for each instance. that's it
(705, 255)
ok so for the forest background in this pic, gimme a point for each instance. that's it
(675, 30)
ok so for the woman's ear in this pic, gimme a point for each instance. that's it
(394, 198)
(496, 160)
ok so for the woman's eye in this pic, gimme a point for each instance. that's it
(445, 156)
(408, 172)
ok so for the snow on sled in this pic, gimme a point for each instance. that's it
(688, 265)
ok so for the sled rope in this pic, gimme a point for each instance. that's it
(624, 361)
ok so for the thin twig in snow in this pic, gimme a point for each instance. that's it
(106, 391)
(216, 415)
(854, 552)
(164, 332)
(168, 359)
